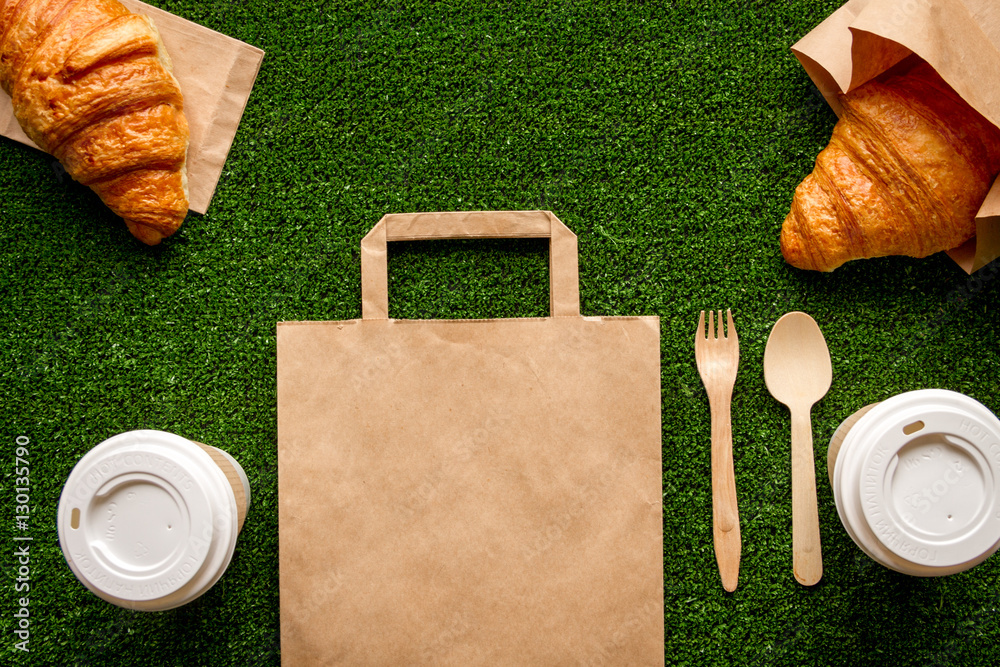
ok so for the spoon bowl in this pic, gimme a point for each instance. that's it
(797, 367)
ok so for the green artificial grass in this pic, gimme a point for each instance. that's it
(668, 135)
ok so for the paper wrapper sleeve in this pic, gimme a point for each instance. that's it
(960, 39)
(214, 96)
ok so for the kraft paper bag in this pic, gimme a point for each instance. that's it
(960, 39)
(470, 492)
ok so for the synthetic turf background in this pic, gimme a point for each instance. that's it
(668, 135)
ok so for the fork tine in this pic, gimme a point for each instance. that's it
(711, 324)
(701, 327)
(732, 328)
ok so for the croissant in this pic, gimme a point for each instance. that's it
(91, 84)
(907, 168)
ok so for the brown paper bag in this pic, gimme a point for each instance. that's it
(214, 95)
(470, 492)
(960, 39)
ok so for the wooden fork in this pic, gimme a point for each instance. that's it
(718, 356)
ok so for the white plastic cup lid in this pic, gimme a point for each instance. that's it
(918, 482)
(147, 520)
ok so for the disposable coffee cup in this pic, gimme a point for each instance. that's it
(916, 479)
(148, 520)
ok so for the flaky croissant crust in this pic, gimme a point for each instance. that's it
(91, 84)
(907, 168)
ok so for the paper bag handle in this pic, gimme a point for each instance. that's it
(564, 278)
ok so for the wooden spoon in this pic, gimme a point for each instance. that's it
(798, 373)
